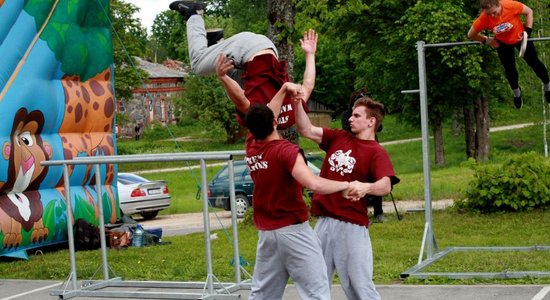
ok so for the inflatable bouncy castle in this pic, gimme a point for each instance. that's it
(56, 103)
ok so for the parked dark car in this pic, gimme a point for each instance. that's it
(139, 195)
(218, 188)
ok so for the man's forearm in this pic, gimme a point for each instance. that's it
(235, 93)
(277, 102)
(528, 12)
(309, 75)
(305, 128)
(302, 120)
(381, 187)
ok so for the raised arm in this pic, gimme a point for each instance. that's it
(232, 88)
(309, 45)
(302, 173)
(305, 128)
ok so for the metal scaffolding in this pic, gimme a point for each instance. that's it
(97, 288)
(429, 245)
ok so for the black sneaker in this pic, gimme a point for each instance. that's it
(187, 8)
(214, 35)
(547, 96)
(380, 218)
(518, 102)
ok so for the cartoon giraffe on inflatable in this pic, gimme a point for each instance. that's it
(87, 127)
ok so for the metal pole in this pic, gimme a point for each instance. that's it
(206, 219)
(425, 145)
(544, 139)
(70, 222)
(236, 255)
(452, 44)
(544, 104)
(101, 223)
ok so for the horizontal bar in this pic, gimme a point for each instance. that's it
(451, 44)
(178, 154)
(158, 157)
(228, 152)
(409, 91)
(415, 271)
(476, 43)
(484, 275)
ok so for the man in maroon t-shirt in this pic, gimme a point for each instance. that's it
(287, 246)
(343, 224)
(260, 72)
(263, 76)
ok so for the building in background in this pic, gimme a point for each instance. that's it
(319, 114)
(153, 102)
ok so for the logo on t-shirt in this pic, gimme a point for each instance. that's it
(503, 27)
(255, 162)
(283, 119)
(341, 162)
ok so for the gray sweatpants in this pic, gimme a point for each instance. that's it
(289, 251)
(348, 251)
(240, 47)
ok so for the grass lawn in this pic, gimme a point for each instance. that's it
(446, 182)
(396, 246)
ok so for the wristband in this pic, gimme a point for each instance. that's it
(528, 30)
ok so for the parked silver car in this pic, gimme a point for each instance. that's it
(138, 195)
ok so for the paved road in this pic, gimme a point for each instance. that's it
(179, 224)
(40, 290)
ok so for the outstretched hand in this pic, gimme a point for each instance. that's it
(309, 42)
(223, 65)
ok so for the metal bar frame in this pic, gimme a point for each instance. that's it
(206, 290)
(428, 243)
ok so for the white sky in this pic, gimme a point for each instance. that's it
(149, 9)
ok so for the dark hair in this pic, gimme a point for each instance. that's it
(259, 120)
(364, 92)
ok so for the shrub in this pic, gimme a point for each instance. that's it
(520, 183)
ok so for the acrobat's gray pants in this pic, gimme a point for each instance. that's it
(289, 251)
(240, 47)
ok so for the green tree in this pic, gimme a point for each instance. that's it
(336, 23)
(205, 100)
(248, 15)
(454, 72)
(379, 37)
(129, 39)
(165, 35)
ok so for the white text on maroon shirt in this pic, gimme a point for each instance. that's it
(255, 162)
(284, 108)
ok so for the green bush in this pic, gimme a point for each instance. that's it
(520, 183)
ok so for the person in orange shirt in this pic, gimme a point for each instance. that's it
(503, 19)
